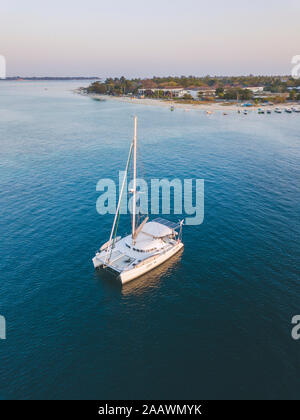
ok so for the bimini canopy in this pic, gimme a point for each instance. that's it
(156, 230)
(146, 243)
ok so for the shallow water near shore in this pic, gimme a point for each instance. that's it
(213, 322)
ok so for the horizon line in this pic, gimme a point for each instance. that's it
(145, 77)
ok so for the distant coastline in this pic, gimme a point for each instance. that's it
(210, 93)
(47, 79)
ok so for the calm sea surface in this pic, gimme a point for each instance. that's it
(215, 322)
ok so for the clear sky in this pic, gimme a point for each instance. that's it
(145, 38)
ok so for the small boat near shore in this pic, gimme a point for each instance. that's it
(278, 111)
(288, 110)
(97, 99)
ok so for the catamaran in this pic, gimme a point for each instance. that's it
(150, 243)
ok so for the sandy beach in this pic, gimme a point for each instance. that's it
(210, 107)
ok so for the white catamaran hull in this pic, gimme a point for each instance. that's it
(132, 274)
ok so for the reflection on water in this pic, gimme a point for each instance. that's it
(141, 284)
(152, 279)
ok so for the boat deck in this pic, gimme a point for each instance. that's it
(123, 257)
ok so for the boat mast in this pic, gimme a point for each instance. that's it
(134, 178)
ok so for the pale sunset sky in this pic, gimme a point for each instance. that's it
(138, 38)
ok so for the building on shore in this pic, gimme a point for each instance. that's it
(255, 89)
(205, 91)
(174, 92)
(179, 92)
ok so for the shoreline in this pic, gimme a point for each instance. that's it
(213, 107)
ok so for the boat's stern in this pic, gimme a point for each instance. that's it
(98, 263)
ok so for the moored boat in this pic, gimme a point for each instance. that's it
(150, 244)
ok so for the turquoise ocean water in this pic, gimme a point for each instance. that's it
(215, 322)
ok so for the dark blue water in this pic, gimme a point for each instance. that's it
(215, 322)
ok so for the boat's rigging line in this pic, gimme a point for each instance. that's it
(117, 216)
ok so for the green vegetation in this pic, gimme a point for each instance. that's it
(116, 86)
(187, 97)
(294, 95)
(277, 88)
(238, 94)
